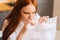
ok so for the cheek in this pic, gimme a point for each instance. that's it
(24, 16)
(33, 15)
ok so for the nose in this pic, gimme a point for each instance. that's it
(30, 16)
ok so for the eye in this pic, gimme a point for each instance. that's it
(26, 13)
(33, 12)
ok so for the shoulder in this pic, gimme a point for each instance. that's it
(5, 23)
(12, 36)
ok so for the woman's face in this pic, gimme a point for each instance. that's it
(28, 12)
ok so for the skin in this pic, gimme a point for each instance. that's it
(28, 12)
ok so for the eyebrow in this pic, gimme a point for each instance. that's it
(29, 12)
(34, 12)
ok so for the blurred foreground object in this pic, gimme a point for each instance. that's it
(4, 7)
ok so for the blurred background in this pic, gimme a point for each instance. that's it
(45, 8)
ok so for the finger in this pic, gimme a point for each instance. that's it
(30, 21)
(41, 19)
(26, 22)
(45, 18)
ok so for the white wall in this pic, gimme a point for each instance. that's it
(58, 35)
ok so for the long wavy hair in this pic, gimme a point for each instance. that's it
(14, 16)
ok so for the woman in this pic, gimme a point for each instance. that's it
(15, 25)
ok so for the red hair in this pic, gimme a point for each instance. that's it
(14, 16)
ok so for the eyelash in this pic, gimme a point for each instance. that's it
(32, 13)
(25, 13)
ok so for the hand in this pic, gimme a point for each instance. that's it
(28, 21)
(43, 19)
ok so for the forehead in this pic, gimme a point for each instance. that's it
(29, 8)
